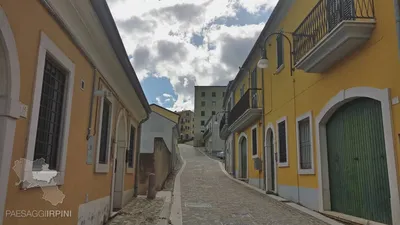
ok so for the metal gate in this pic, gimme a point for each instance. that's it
(358, 174)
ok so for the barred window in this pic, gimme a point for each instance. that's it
(50, 122)
(131, 147)
(105, 130)
(304, 143)
(282, 142)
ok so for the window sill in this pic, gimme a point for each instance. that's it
(129, 169)
(102, 168)
(279, 69)
(306, 172)
(50, 178)
(254, 156)
(283, 165)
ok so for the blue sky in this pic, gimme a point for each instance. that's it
(175, 45)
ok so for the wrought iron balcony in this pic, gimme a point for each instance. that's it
(223, 127)
(246, 111)
(332, 30)
(206, 134)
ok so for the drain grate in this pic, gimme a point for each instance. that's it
(197, 205)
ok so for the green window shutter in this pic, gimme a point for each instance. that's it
(282, 142)
(305, 144)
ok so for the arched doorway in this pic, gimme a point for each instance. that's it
(119, 161)
(270, 159)
(9, 102)
(243, 157)
(358, 175)
(356, 158)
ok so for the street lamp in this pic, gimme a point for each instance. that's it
(263, 63)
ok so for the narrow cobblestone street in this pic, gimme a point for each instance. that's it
(209, 197)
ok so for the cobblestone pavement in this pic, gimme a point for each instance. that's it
(209, 197)
(139, 211)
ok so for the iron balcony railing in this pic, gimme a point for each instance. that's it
(222, 122)
(323, 18)
(206, 132)
(252, 99)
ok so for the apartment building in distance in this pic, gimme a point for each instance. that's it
(186, 125)
(207, 102)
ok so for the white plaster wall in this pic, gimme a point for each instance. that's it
(156, 126)
(95, 212)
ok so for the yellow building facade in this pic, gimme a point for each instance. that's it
(66, 115)
(327, 132)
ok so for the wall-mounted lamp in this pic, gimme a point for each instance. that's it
(263, 63)
(102, 93)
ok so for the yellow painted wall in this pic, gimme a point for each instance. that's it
(166, 113)
(80, 178)
(376, 64)
(252, 173)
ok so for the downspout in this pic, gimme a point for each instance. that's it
(89, 129)
(139, 134)
(263, 132)
(397, 15)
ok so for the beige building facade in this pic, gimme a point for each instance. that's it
(208, 101)
(186, 125)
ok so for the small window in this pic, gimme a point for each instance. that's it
(213, 94)
(202, 122)
(254, 141)
(203, 103)
(279, 51)
(131, 147)
(187, 113)
(203, 94)
(213, 113)
(202, 131)
(214, 103)
(282, 143)
(203, 113)
(304, 144)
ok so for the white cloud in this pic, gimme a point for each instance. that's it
(157, 35)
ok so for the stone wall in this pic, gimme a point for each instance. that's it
(159, 162)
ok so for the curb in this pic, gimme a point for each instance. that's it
(278, 198)
(163, 217)
(176, 206)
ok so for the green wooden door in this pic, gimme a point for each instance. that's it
(243, 157)
(358, 174)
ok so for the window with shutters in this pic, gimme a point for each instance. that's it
(282, 142)
(254, 141)
(131, 147)
(279, 51)
(305, 144)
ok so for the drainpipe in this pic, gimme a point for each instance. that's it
(263, 132)
(139, 134)
(397, 15)
(89, 129)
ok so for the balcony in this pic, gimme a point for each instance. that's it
(246, 111)
(206, 134)
(223, 127)
(332, 30)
